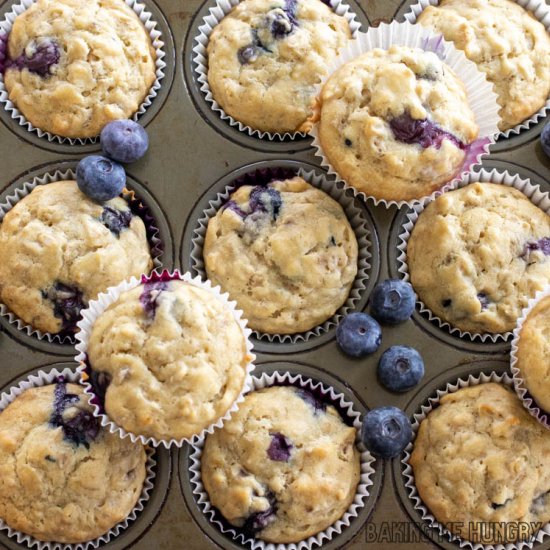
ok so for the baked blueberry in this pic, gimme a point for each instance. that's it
(542, 244)
(44, 54)
(392, 301)
(248, 54)
(115, 220)
(545, 139)
(148, 297)
(400, 368)
(386, 431)
(358, 334)
(67, 303)
(279, 448)
(280, 22)
(308, 397)
(483, 300)
(265, 199)
(124, 140)
(100, 178)
(260, 520)
(234, 207)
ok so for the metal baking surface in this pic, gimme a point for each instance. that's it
(192, 154)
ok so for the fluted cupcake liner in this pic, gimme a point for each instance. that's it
(103, 301)
(156, 40)
(408, 474)
(200, 59)
(532, 192)
(331, 396)
(136, 205)
(481, 97)
(43, 378)
(519, 384)
(355, 216)
(541, 11)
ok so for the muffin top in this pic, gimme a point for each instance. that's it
(476, 256)
(173, 358)
(284, 467)
(481, 458)
(60, 249)
(507, 43)
(285, 252)
(62, 477)
(533, 353)
(266, 57)
(395, 124)
(75, 65)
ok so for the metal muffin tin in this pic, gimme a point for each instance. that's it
(193, 154)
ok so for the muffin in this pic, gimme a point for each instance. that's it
(173, 359)
(75, 65)
(60, 249)
(285, 252)
(480, 465)
(395, 124)
(284, 468)
(507, 43)
(266, 57)
(62, 477)
(476, 256)
(533, 353)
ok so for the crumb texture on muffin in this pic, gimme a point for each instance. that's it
(60, 249)
(266, 57)
(285, 252)
(284, 468)
(62, 477)
(481, 459)
(507, 43)
(396, 124)
(75, 65)
(476, 256)
(174, 358)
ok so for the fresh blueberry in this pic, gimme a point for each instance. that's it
(260, 520)
(148, 297)
(358, 334)
(67, 302)
(115, 220)
(44, 54)
(124, 140)
(386, 431)
(400, 368)
(100, 178)
(248, 54)
(392, 301)
(279, 448)
(545, 139)
(265, 199)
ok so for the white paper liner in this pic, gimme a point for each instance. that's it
(43, 378)
(104, 300)
(532, 192)
(365, 481)
(408, 473)
(519, 384)
(153, 237)
(541, 11)
(200, 60)
(481, 97)
(156, 39)
(357, 220)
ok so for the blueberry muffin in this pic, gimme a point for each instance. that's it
(507, 43)
(284, 468)
(169, 358)
(266, 57)
(477, 255)
(285, 252)
(395, 124)
(480, 465)
(75, 65)
(61, 249)
(533, 354)
(62, 477)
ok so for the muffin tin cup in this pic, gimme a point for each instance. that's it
(519, 384)
(43, 378)
(156, 40)
(355, 217)
(200, 59)
(532, 192)
(408, 474)
(482, 99)
(541, 11)
(330, 396)
(137, 207)
(104, 300)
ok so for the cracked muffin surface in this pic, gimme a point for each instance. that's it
(62, 477)
(284, 467)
